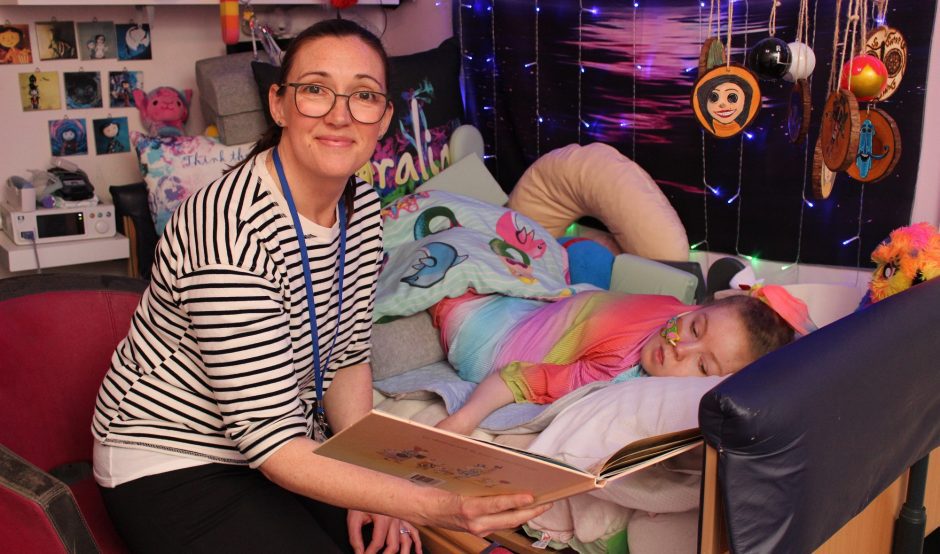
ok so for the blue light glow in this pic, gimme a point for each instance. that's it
(808, 203)
(847, 241)
(733, 198)
(750, 136)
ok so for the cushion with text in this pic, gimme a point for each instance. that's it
(175, 167)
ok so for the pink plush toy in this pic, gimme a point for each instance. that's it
(163, 110)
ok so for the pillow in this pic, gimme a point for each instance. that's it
(598, 181)
(175, 167)
(425, 90)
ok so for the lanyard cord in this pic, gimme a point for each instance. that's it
(318, 370)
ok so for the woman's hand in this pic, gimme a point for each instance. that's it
(386, 531)
(482, 515)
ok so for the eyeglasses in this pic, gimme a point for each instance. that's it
(313, 100)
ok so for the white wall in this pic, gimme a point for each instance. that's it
(180, 36)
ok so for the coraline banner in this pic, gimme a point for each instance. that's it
(542, 75)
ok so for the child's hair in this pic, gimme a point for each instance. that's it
(766, 331)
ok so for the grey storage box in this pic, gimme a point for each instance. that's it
(229, 97)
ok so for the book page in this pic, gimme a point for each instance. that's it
(429, 456)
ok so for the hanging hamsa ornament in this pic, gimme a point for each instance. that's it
(888, 45)
(726, 100)
(879, 147)
(839, 130)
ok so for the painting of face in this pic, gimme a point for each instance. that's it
(725, 102)
(726, 99)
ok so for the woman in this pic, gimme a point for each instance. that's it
(206, 419)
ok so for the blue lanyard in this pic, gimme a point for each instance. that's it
(318, 370)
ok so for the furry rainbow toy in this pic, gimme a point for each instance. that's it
(910, 255)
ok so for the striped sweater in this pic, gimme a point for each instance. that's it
(218, 364)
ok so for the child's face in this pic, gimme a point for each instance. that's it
(9, 39)
(712, 341)
(68, 135)
(725, 102)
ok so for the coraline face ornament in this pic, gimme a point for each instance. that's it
(725, 100)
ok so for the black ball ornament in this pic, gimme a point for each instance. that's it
(769, 58)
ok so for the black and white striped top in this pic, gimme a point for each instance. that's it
(218, 364)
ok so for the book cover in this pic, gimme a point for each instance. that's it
(429, 456)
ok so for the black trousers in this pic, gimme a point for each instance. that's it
(222, 508)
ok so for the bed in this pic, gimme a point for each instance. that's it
(761, 426)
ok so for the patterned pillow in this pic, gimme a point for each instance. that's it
(175, 167)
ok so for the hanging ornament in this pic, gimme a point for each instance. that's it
(713, 53)
(802, 62)
(866, 76)
(879, 148)
(823, 177)
(839, 131)
(770, 57)
(711, 56)
(727, 98)
(798, 111)
(889, 46)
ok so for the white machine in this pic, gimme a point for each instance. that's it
(57, 224)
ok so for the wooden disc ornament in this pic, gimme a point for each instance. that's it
(711, 56)
(889, 46)
(839, 130)
(823, 177)
(879, 147)
(798, 111)
(726, 100)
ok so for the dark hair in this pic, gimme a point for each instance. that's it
(337, 28)
(766, 330)
(701, 96)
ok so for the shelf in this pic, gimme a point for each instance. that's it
(56, 254)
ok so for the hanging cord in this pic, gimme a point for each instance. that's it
(730, 20)
(538, 114)
(495, 100)
(804, 8)
(772, 21)
(747, 15)
(835, 47)
(580, 68)
(633, 103)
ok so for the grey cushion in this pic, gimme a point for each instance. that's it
(407, 343)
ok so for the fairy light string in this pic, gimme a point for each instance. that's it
(493, 72)
(580, 67)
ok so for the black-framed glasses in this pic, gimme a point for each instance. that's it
(314, 100)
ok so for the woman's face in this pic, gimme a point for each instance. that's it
(725, 102)
(712, 341)
(336, 145)
(110, 130)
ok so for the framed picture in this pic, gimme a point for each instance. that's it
(14, 44)
(133, 41)
(111, 135)
(68, 137)
(97, 40)
(121, 87)
(56, 40)
(40, 91)
(82, 89)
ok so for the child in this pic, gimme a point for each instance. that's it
(543, 351)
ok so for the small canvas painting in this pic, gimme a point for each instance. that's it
(56, 40)
(40, 91)
(82, 89)
(68, 137)
(111, 135)
(96, 40)
(14, 44)
(121, 85)
(133, 41)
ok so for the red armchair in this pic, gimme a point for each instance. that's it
(57, 334)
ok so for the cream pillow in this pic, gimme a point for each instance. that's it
(598, 181)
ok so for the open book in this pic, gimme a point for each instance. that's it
(429, 456)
